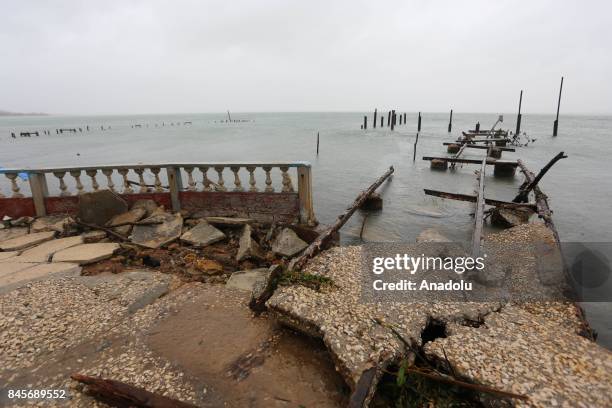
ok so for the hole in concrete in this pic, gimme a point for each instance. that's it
(434, 329)
(472, 323)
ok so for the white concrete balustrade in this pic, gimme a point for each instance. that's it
(160, 178)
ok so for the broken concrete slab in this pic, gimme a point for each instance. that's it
(229, 221)
(246, 280)
(517, 351)
(5, 256)
(57, 223)
(91, 237)
(287, 243)
(155, 236)
(133, 215)
(431, 235)
(149, 296)
(149, 206)
(44, 251)
(248, 247)
(86, 253)
(9, 233)
(37, 272)
(99, 207)
(26, 241)
(202, 234)
(349, 325)
(8, 268)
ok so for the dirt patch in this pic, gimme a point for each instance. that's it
(246, 360)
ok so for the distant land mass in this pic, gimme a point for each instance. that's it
(7, 113)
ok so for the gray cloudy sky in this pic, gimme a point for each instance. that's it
(150, 56)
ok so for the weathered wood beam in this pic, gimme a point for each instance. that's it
(122, 394)
(524, 191)
(470, 146)
(318, 244)
(488, 161)
(473, 199)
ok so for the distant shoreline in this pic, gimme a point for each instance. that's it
(6, 113)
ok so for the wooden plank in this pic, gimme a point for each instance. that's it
(503, 148)
(479, 216)
(470, 141)
(473, 199)
(488, 161)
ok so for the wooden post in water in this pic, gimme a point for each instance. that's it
(400, 119)
(365, 122)
(518, 117)
(477, 127)
(415, 145)
(317, 143)
(556, 124)
(374, 121)
(392, 119)
(389, 119)
(404, 118)
(419, 124)
(382, 121)
(450, 122)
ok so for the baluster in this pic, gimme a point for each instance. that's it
(94, 183)
(14, 186)
(141, 180)
(269, 188)
(77, 178)
(127, 188)
(109, 179)
(191, 184)
(62, 185)
(158, 185)
(220, 183)
(252, 181)
(237, 182)
(287, 185)
(205, 180)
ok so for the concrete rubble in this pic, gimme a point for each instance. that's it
(246, 280)
(44, 251)
(248, 247)
(86, 253)
(202, 234)
(287, 243)
(157, 235)
(133, 215)
(101, 206)
(26, 241)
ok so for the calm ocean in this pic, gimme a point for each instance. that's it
(579, 187)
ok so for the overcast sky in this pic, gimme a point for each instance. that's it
(95, 57)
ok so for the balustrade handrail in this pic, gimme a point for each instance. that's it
(154, 165)
(39, 189)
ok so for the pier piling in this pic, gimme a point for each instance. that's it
(419, 123)
(556, 124)
(450, 122)
(374, 121)
(365, 122)
(518, 117)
